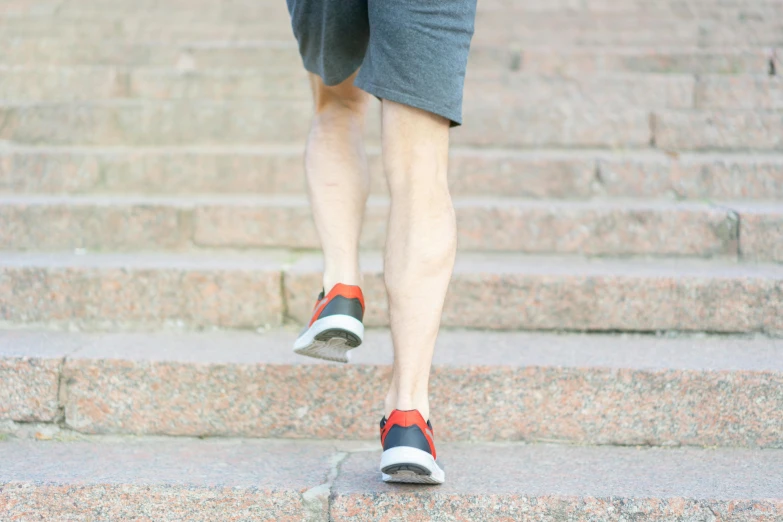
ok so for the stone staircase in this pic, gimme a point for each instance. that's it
(612, 344)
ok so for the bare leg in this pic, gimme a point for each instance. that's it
(337, 176)
(420, 246)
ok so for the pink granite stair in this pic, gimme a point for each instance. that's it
(277, 169)
(595, 389)
(618, 184)
(225, 289)
(600, 227)
(279, 480)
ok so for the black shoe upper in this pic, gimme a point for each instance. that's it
(340, 305)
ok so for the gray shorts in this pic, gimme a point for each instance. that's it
(409, 51)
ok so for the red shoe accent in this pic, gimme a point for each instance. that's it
(347, 291)
(406, 418)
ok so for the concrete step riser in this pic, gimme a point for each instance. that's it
(98, 293)
(565, 228)
(544, 174)
(331, 480)
(579, 125)
(283, 54)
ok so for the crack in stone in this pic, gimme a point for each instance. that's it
(284, 315)
(317, 501)
(59, 418)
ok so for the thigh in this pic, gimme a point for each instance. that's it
(418, 53)
(332, 36)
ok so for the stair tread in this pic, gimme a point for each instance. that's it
(599, 389)
(455, 348)
(479, 262)
(509, 470)
(301, 200)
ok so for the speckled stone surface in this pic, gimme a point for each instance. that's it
(30, 368)
(51, 223)
(597, 389)
(472, 172)
(600, 228)
(115, 291)
(762, 232)
(248, 84)
(719, 129)
(180, 122)
(28, 388)
(164, 479)
(613, 91)
(551, 483)
(553, 125)
(682, 60)
(141, 122)
(484, 224)
(521, 292)
(536, 174)
(739, 92)
(277, 169)
(709, 175)
(44, 83)
(25, 171)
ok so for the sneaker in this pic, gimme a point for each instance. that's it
(409, 449)
(336, 325)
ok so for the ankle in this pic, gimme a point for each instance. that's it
(346, 278)
(405, 403)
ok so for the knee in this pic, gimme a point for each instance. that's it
(419, 175)
(342, 99)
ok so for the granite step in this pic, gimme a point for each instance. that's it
(165, 479)
(760, 26)
(253, 122)
(207, 7)
(224, 289)
(610, 90)
(587, 389)
(492, 29)
(263, 54)
(677, 91)
(601, 227)
(718, 129)
(574, 123)
(533, 174)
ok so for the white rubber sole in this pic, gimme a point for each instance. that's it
(410, 466)
(331, 338)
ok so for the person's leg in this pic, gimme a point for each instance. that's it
(337, 176)
(420, 246)
(338, 183)
(333, 38)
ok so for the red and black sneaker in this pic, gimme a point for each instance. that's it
(336, 325)
(409, 449)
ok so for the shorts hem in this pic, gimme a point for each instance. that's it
(414, 101)
(330, 80)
